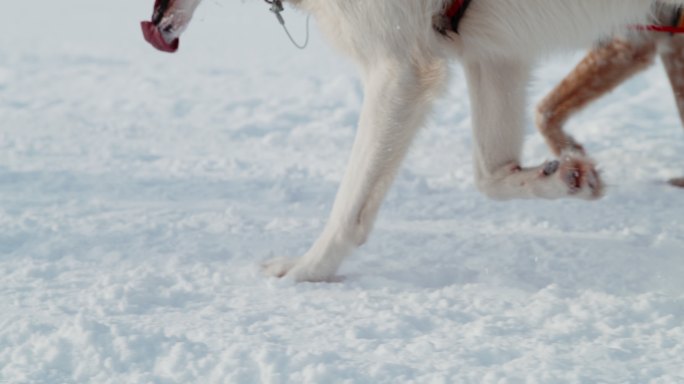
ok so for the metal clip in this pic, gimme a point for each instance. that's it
(277, 8)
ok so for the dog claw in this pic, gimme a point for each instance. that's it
(572, 179)
(581, 178)
(278, 267)
(593, 180)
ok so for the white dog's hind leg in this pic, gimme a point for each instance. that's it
(497, 93)
(397, 99)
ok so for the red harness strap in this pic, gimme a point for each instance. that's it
(658, 28)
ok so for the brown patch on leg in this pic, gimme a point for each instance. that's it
(603, 69)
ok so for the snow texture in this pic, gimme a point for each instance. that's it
(139, 191)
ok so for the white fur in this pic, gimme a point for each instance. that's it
(403, 63)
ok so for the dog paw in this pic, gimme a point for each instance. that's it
(278, 267)
(677, 182)
(297, 270)
(580, 176)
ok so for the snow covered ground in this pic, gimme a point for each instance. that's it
(139, 191)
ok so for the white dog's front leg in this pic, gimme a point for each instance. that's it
(397, 99)
(497, 95)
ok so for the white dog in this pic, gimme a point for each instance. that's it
(402, 48)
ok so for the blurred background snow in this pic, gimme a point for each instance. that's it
(140, 190)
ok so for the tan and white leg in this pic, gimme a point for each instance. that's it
(603, 69)
(398, 97)
(497, 94)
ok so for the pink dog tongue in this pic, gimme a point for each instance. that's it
(154, 37)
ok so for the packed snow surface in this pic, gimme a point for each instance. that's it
(139, 191)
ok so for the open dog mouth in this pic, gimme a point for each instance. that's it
(159, 30)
